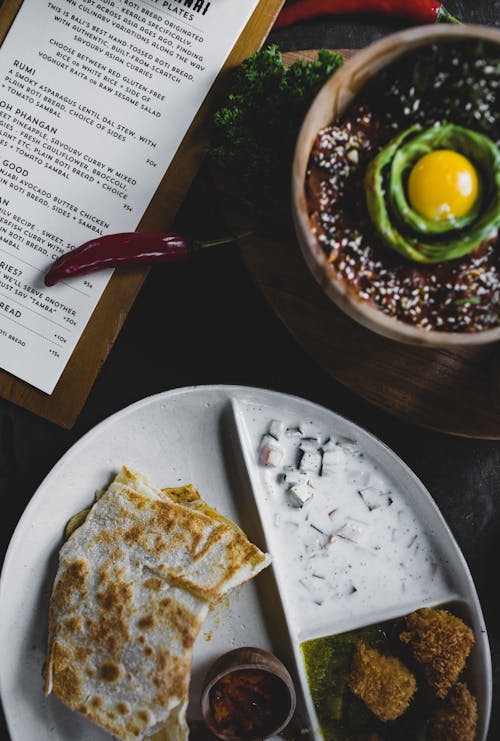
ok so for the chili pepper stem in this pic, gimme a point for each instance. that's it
(444, 16)
(196, 246)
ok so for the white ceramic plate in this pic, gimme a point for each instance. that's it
(207, 436)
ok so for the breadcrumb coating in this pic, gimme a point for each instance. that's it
(456, 717)
(441, 642)
(384, 683)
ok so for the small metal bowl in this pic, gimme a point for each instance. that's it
(241, 659)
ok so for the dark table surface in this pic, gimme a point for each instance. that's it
(215, 327)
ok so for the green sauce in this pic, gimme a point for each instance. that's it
(328, 663)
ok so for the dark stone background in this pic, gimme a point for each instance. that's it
(205, 322)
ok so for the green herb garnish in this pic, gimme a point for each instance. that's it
(464, 301)
(256, 130)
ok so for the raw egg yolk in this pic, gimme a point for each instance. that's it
(443, 185)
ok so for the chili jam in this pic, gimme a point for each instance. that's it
(461, 295)
(248, 704)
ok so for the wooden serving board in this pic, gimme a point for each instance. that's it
(65, 403)
(454, 391)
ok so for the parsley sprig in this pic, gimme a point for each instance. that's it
(255, 131)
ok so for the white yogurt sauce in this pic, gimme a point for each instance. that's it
(345, 543)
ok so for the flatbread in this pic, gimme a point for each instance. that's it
(134, 585)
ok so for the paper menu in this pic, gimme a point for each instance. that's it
(95, 99)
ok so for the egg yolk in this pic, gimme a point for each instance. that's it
(443, 185)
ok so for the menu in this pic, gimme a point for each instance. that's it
(95, 99)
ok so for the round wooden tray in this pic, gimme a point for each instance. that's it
(455, 391)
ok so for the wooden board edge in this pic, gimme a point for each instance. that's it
(8, 11)
(66, 401)
(64, 405)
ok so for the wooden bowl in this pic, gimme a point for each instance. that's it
(238, 659)
(331, 102)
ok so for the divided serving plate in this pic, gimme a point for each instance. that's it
(366, 511)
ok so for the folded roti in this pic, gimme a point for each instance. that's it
(134, 584)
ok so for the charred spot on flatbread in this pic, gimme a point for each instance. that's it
(153, 583)
(109, 671)
(147, 622)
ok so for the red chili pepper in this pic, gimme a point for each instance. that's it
(128, 248)
(417, 11)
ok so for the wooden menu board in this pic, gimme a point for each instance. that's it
(70, 394)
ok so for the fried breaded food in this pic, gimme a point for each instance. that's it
(441, 642)
(384, 683)
(456, 717)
